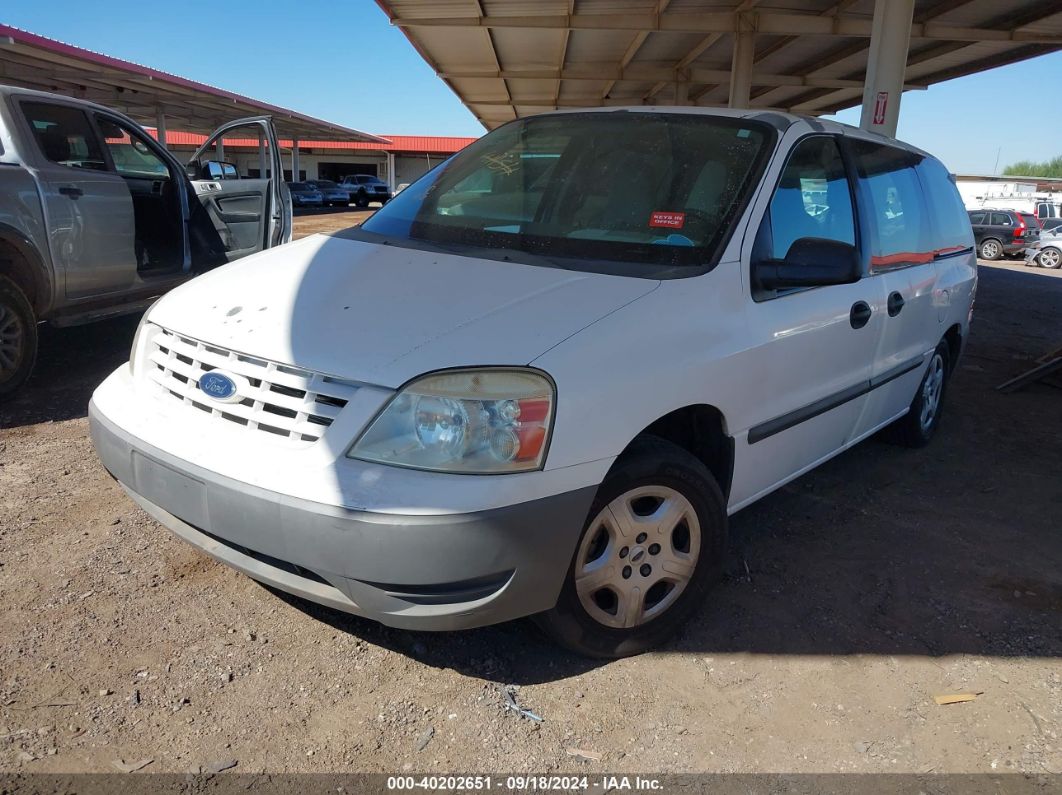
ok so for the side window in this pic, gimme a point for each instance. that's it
(132, 157)
(64, 135)
(949, 224)
(977, 218)
(1001, 219)
(896, 205)
(812, 199)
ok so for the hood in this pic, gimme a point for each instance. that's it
(383, 314)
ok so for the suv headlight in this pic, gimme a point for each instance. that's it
(482, 421)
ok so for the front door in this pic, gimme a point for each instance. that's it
(811, 349)
(89, 211)
(237, 214)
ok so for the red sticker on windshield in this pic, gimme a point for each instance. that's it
(667, 220)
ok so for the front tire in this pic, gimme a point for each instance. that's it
(1050, 257)
(990, 249)
(361, 200)
(18, 338)
(917, 426)
(654, 545)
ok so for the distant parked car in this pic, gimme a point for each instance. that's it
(1047, 251)
(365, 188)
(303, 194)
(999, 232)
(331, 193)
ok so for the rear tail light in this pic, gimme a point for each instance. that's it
(1020, 231)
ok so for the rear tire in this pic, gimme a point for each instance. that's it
(990, 249)
(917, 426)
(1050, 257)
(653, 546)
(18, 338)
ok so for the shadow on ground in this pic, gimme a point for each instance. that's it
(71, 363)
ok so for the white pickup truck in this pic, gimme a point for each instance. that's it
(97, 219)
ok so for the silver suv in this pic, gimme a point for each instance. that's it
(365, 188)
(97, 219)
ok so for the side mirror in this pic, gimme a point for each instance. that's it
(212, 169)
(810, 262)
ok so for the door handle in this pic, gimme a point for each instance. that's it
(860, 314)
(71, 191)
(895, 304)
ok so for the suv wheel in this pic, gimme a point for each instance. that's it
(362, 199)
(991, 249)
(1050, 257)
(18, 338)
(917, 426)
(653, 547)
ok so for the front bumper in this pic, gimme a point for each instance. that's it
(422, 572)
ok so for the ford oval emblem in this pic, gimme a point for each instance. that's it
(219, 386)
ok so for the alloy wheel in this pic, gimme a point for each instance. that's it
(637, 556)
(932, 390)
(990, 249)
(1050, 258)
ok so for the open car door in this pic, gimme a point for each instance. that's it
(238, 214)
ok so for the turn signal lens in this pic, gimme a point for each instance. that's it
(484, 421)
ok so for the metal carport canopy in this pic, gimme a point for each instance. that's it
(511, 58)
(147, 95)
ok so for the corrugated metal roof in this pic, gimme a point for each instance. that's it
(37, 62)
(506, 58)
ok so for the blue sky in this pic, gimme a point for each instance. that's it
(342, 61)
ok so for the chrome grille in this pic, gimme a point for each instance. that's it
(286, 401)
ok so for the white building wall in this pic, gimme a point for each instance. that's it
(410, 168)
(974, 192)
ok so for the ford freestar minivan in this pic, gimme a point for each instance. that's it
(539, 380)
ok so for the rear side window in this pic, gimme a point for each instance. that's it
(977, 218)
(812, 199)
(949, 225)
(64, 135)
(895, 205)
(1001, 219)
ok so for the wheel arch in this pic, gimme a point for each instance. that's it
(22, 263)
(701, 430)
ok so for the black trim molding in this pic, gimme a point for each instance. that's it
(758, 433)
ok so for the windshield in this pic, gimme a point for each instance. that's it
(655, 189)
(324, 183)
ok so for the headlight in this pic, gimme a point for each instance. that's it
(483, 421)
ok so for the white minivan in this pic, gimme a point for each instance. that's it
(539, 380)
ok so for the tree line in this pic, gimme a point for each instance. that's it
(1030, 168)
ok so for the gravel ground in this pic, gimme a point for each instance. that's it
(854, 595)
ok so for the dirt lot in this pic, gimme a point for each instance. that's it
(854, 595)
